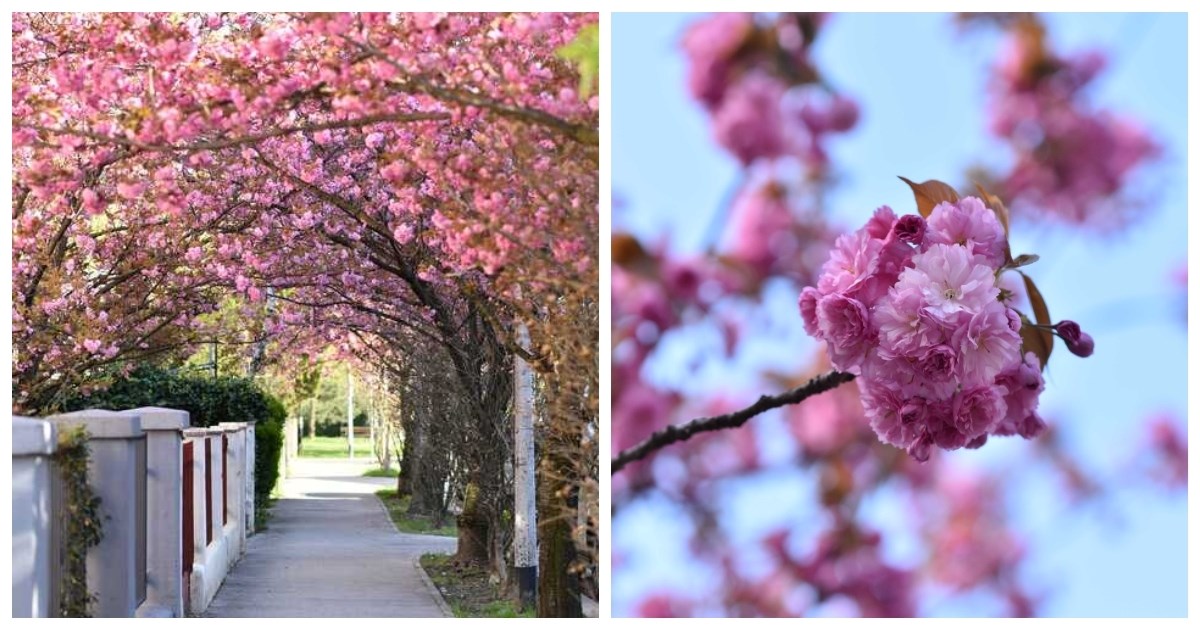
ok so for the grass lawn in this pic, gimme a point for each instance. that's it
(379, 472)
(334, 447)
(468, 590)
(398, 509)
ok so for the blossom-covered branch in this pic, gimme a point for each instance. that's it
(680, 432)
(225, 143)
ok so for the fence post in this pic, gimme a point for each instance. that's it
(200, 520)
(251, 471)
(218, 559)
(164, 510)
(291, 445)
(115, 442)
(235, 483)
(33, 441)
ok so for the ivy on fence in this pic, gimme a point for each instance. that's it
(82, 527)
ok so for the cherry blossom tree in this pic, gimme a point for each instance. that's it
(363, 181)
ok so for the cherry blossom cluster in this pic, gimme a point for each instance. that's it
(753, 74)
(1073, 161)
(771, 109)
(913, 306)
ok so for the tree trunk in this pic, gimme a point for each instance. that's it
(558, 585)
(312, 417)
(406, 481)
(472, 531)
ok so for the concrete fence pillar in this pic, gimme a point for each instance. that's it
(235, 488)
(212, 558)
(33, 441)
(164, 510)
(200, 518)
(291, 445)
(216, 447)
(251, 460)
(115, 567)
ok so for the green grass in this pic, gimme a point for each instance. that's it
(467, 589)
(390, 473)
(335, 447)
(398, 509)
(502, 608)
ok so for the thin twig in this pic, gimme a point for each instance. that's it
(680, 432)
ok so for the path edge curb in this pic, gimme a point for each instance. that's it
(437, 593)
(438, 598)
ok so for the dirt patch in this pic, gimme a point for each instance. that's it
(468, 590)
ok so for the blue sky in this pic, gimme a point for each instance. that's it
(673, 179)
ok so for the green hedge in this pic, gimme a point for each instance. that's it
(268, 441)
(209, 402)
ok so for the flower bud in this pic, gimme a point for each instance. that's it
(1078, 342)
(1084, 347)
(910, 228)
(843, 113)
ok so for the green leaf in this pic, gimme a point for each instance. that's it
(584, 53)
(930, 193)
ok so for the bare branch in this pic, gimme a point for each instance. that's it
(680, 432)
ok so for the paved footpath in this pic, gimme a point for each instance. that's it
(330, 550)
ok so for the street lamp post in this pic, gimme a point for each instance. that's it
(350, 411)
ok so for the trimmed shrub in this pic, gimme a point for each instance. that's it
(209, 402)
(268, 438)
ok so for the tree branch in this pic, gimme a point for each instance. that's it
(224, 143)
(680, 432)
(581, 133)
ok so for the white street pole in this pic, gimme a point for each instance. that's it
(350, 411)
(525, 549)
(371, 417)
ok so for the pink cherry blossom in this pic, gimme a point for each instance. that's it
(988, 344)
(1023, 384)
(710, 45)
(914, 308)
(845, 324)
(809, 297)
(748, 121)
(950, 280)
(971, 224)
(852, 263)
(977, 411)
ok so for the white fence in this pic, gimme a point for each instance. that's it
(177, 505)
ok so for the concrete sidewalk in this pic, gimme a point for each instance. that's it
(330, 550)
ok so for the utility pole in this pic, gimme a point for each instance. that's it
(212, 358)
(525, 550)
(372, 415)
(350, 411)
(260, 348)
